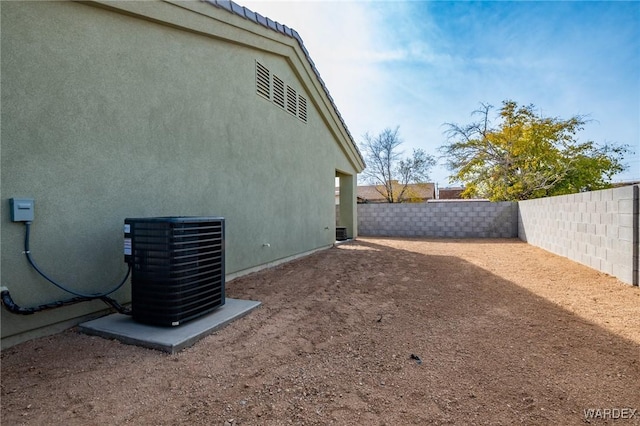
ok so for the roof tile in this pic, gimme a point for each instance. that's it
(271, 24)
(250, 14)
(295, 35)
(237, 8)
(225, 4)
(261, 19)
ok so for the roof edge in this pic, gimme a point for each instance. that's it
(266, 22)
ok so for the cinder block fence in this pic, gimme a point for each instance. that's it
(444, 219)
(598, 228)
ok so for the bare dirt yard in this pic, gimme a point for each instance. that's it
(373, 332)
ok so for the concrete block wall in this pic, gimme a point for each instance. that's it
(446, 219)
(598, 229)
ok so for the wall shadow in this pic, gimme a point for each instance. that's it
(377, 331)
(493, 345)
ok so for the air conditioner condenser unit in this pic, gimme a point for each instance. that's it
(177, 267)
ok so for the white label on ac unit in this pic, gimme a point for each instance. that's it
(127, 228)
(127, 246)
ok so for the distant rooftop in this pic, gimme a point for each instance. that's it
(416, 192)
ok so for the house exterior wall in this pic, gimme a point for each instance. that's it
(451, 219)
(152, 112)
(598, 229)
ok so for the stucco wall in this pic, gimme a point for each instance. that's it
(107, 116)
(451, 219)
(594, 228)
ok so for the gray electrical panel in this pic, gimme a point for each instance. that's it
(22, 209)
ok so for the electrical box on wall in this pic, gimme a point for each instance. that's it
(22, 209)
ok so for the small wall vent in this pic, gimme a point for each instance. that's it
(302, 108)
(177, 267)
(278, 92)
(263, 81)
(273, 88)
(292, 98)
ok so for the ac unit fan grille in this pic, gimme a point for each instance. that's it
(177, 268)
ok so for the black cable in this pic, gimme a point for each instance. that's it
(12, 307)
(115, 305)
(7, 301)
(27, 252)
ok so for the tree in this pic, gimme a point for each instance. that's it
(527, 156)
(388, 171)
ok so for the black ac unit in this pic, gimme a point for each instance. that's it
(177, 267)
(341, 233)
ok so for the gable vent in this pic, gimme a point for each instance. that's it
(292, 98)
(272, 88)
(302, 108)
(278, 92)
(263, 81)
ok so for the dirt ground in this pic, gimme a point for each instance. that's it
(374, 332)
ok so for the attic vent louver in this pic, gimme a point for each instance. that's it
(278, 92)
(302, 108)
(291, 100)
(271, 87)
(263, 81)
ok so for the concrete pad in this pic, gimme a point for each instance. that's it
(167, 339)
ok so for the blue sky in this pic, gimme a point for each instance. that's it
(420, 64)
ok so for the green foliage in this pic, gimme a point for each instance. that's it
(527, 156)
(390, 173)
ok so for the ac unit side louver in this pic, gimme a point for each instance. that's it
(177, 267)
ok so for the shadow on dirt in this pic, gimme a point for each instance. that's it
(364, 333)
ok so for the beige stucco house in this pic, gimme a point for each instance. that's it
(159, 108)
